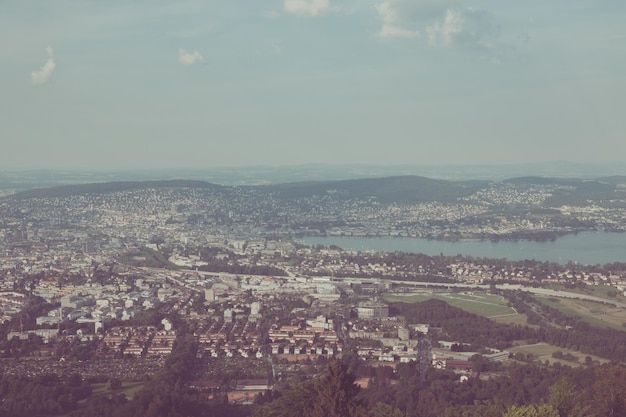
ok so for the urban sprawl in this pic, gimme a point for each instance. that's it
(113, 276)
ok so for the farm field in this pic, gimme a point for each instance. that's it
(478, 303)
(597, 314)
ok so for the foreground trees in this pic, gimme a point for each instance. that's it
(527, 391)
(333, 395)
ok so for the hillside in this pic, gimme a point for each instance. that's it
(401, 189)
(574, 191)
(110, 187)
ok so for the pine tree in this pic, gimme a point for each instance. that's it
(336, 394)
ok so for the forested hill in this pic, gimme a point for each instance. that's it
(110, 187)
(616, 179)
(575, 191)
(398, 189)
(386, 190)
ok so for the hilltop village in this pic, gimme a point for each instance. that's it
(101, 284)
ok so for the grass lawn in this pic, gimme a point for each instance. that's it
(604, 290)
(519, 319)
(597, 314)
(557, 303)
(478, 303)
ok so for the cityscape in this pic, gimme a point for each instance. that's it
(99, 280)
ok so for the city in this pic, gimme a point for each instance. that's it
(100, 284)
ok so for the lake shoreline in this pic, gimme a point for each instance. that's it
(590, 248)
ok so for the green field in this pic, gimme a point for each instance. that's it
(512, 319)
(596, 314)
(478, 303)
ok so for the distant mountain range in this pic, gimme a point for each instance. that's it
(400, 189)
(264, 175)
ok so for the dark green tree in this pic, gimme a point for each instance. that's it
(336, 393)
(333, 395)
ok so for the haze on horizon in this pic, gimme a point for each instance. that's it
(193, 84)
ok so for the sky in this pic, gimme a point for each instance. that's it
(88, 84)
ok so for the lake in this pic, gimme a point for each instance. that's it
(587, 248)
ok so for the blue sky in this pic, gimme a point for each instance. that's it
(150, 84)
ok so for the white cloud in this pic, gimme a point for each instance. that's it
(470, 28)
(391, 22)
(43, 75)
(311, 8)
(391, 31)
(189, 58)
(443, 33)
